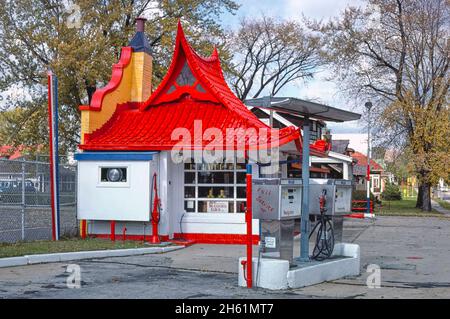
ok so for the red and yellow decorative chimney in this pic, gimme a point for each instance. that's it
(131, 81)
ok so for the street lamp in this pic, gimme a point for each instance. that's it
(368, 106)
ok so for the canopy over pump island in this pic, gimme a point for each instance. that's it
(143, 173)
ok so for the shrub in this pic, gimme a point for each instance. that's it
(391, 192)
(362, 195)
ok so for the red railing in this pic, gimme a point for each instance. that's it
(356, 205)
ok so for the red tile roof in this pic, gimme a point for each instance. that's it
(11, 152)
(362, 161)
(150, 125)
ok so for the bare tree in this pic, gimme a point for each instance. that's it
(397, 53)
(269, 55)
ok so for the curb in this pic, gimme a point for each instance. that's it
(60, 257)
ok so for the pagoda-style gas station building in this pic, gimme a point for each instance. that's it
(130, 133)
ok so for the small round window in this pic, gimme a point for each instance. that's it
(113, 174)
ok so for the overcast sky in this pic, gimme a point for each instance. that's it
(317, 89)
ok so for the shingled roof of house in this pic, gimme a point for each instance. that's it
(360, 168)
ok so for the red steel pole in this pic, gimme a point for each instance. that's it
(50, 125)
(113, 230)
(83, 229)
(368, 185)
(249, 217)
(124, 233)
(368, 106)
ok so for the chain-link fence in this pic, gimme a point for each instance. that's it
(25, 212)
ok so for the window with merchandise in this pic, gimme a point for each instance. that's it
(217, 187)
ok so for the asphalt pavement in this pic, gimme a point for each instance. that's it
(413, 254)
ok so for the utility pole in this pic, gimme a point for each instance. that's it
(368, 106)
(54, 160)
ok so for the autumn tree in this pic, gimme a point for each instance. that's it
(396, 53)
(270, 54)
(80, 46)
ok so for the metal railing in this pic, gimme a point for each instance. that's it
(361, 205)
(25, 212)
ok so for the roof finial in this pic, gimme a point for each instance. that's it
(180, 30)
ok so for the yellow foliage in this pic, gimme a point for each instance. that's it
(429, 136)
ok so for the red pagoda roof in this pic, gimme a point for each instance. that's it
(193, 94)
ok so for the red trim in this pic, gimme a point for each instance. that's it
(357, 215)
(227, 239)
(182, 242)
(116, 78)
(198, 238)
(128, 237)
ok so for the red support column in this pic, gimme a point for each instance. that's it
(113, 230)
(124, 233)
(249, 218)
(83, 230)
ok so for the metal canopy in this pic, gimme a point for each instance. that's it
(296, 106)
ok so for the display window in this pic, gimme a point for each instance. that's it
(218, 187)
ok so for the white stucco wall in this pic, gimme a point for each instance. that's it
(110, 201)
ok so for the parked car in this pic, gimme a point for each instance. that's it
(11, 191)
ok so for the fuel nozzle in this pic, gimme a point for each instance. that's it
(262, 246)
(323, 201)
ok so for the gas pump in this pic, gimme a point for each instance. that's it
(277, 203)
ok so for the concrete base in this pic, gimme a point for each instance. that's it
(345, 261)
(275, 274)
(271, 273)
